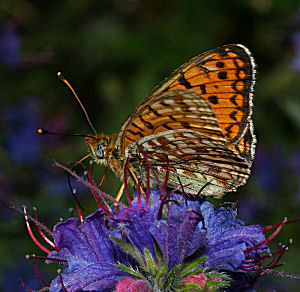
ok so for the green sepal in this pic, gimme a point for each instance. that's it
(132, 250)
(158, 252)
(150, 262)
(190, 287)
(211, 283)
(161, 272)
(219, 275)
(194, 272)
(132, 272)
(172, 275)
(191, 265)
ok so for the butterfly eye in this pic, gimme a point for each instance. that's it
(100, 151)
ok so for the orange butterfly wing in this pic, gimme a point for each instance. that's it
(225, 77)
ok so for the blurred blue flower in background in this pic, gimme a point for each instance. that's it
(21, 140)
(10, 47)
(268, 166)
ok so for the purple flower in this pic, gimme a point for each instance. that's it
(162, 242)
(136, 243)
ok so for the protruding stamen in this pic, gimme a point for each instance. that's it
(32, 235)
(50, 242)
(92, 187)
(167, 176)
(25, 287)
(106, 209)
(139, 191)
(77, 206)
(61, 281)
(37, 272)
(46, 258)
(151, 167)
(126, 183)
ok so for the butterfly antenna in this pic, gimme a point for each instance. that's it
(46, 132)
(63, 79)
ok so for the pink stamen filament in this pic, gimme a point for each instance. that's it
(179, 188)
(78, 207)
(182, 187)
(33, 220)
(32, 235)
(167, 175)
(148, 187)
(50, 242)
(25, 287)
(99, 203)
(151, 167)
(62, 282)
(139, 192)
(268, 271)
(268, 227)
(38, 274)
(105, 208)
(268, 239)
(255, 265)
(126, 183)
(201, 218)
(47, 259)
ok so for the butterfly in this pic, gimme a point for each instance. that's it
(196, 126)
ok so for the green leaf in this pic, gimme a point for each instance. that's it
(192, 265)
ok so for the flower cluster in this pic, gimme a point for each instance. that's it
(161, 241)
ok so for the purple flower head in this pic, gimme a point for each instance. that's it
(161, 241)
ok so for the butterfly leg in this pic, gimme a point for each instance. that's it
(118, 197)
(103, 177)
(120, 192)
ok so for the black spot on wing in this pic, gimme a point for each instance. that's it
(213, 99)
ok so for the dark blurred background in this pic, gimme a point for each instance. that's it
(114, 53)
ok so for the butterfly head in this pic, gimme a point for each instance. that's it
(100, 147)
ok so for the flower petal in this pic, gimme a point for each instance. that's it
(95, 277)
(84, 244)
